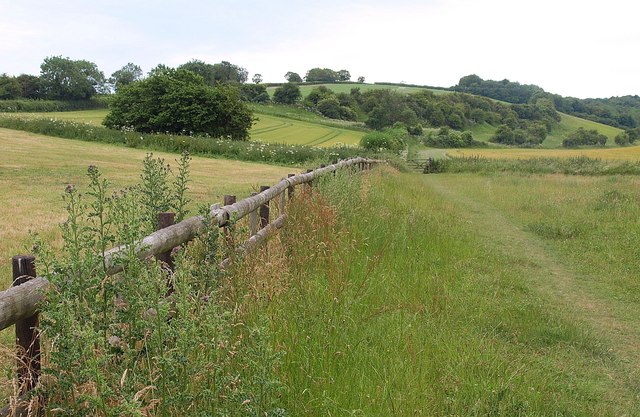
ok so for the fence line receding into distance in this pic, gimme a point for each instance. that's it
(19, 303)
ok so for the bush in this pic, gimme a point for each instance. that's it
(391, 139)
(179, 101)
(117, 345)
(583, 137)
(448, 138)
(287, 94)
(37, 106)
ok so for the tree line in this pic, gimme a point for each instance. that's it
(518, 124)
(622, 112)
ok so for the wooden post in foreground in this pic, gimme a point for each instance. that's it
(290, 190)
(227, 201)
(253, 221)
(165, 220)
(310, 183)
(27, 337)
(264, 210)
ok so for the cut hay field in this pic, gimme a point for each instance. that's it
(35, 169)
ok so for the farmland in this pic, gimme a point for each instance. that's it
(37, 168)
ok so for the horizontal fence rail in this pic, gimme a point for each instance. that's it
(19, 304)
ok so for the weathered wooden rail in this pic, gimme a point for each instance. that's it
(19, 304)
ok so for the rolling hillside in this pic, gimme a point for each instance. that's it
(283, 124)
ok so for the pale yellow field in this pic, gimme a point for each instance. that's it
(35, 169)
(631, 153)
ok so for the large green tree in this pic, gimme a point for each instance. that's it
(323, 75)
(293, 77)
(66, 79)
(125, 76)
(287, 94)
(180, 101)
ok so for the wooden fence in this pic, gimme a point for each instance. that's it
(19, 304)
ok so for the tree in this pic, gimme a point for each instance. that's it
(287, 94)
(293, 77)
(323, 75)
(344, 75)
(31, 86)
(206, 71)
(361, 79)
(65, 79)
(226, 72)
(125, 76)
(180, 101)
(10, 88)
(254, 93)
(257, 78)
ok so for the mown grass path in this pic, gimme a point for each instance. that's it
(613, 319)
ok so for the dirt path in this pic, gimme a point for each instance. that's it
(555, 281)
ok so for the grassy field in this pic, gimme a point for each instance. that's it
(275, 129)
(464, 295)
(631, 153)
(35, 170)
(270, 128)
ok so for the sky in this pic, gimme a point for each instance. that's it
(578, 48)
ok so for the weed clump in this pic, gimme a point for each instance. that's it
(118, 345)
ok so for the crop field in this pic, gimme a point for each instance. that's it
(35, 170)
(268, 128)
(631, 153)
(280, 130)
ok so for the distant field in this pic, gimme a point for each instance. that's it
(631, 153)
(269, 128)
(280, 130)
(346, 88)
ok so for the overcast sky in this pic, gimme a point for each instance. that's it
(581, 48)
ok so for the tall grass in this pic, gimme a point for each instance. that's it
(385, 303)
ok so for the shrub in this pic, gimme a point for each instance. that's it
(287, 94)
(116, 345)
(179, 101)
(391, 139)
(448, 138)
(583, 137)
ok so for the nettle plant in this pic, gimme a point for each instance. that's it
(119, 345)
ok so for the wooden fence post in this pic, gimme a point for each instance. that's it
(264, 210)
(310, 183)
(27, 337)
(253, 221)
(290, 190)
(165, 220)
(227, 201)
